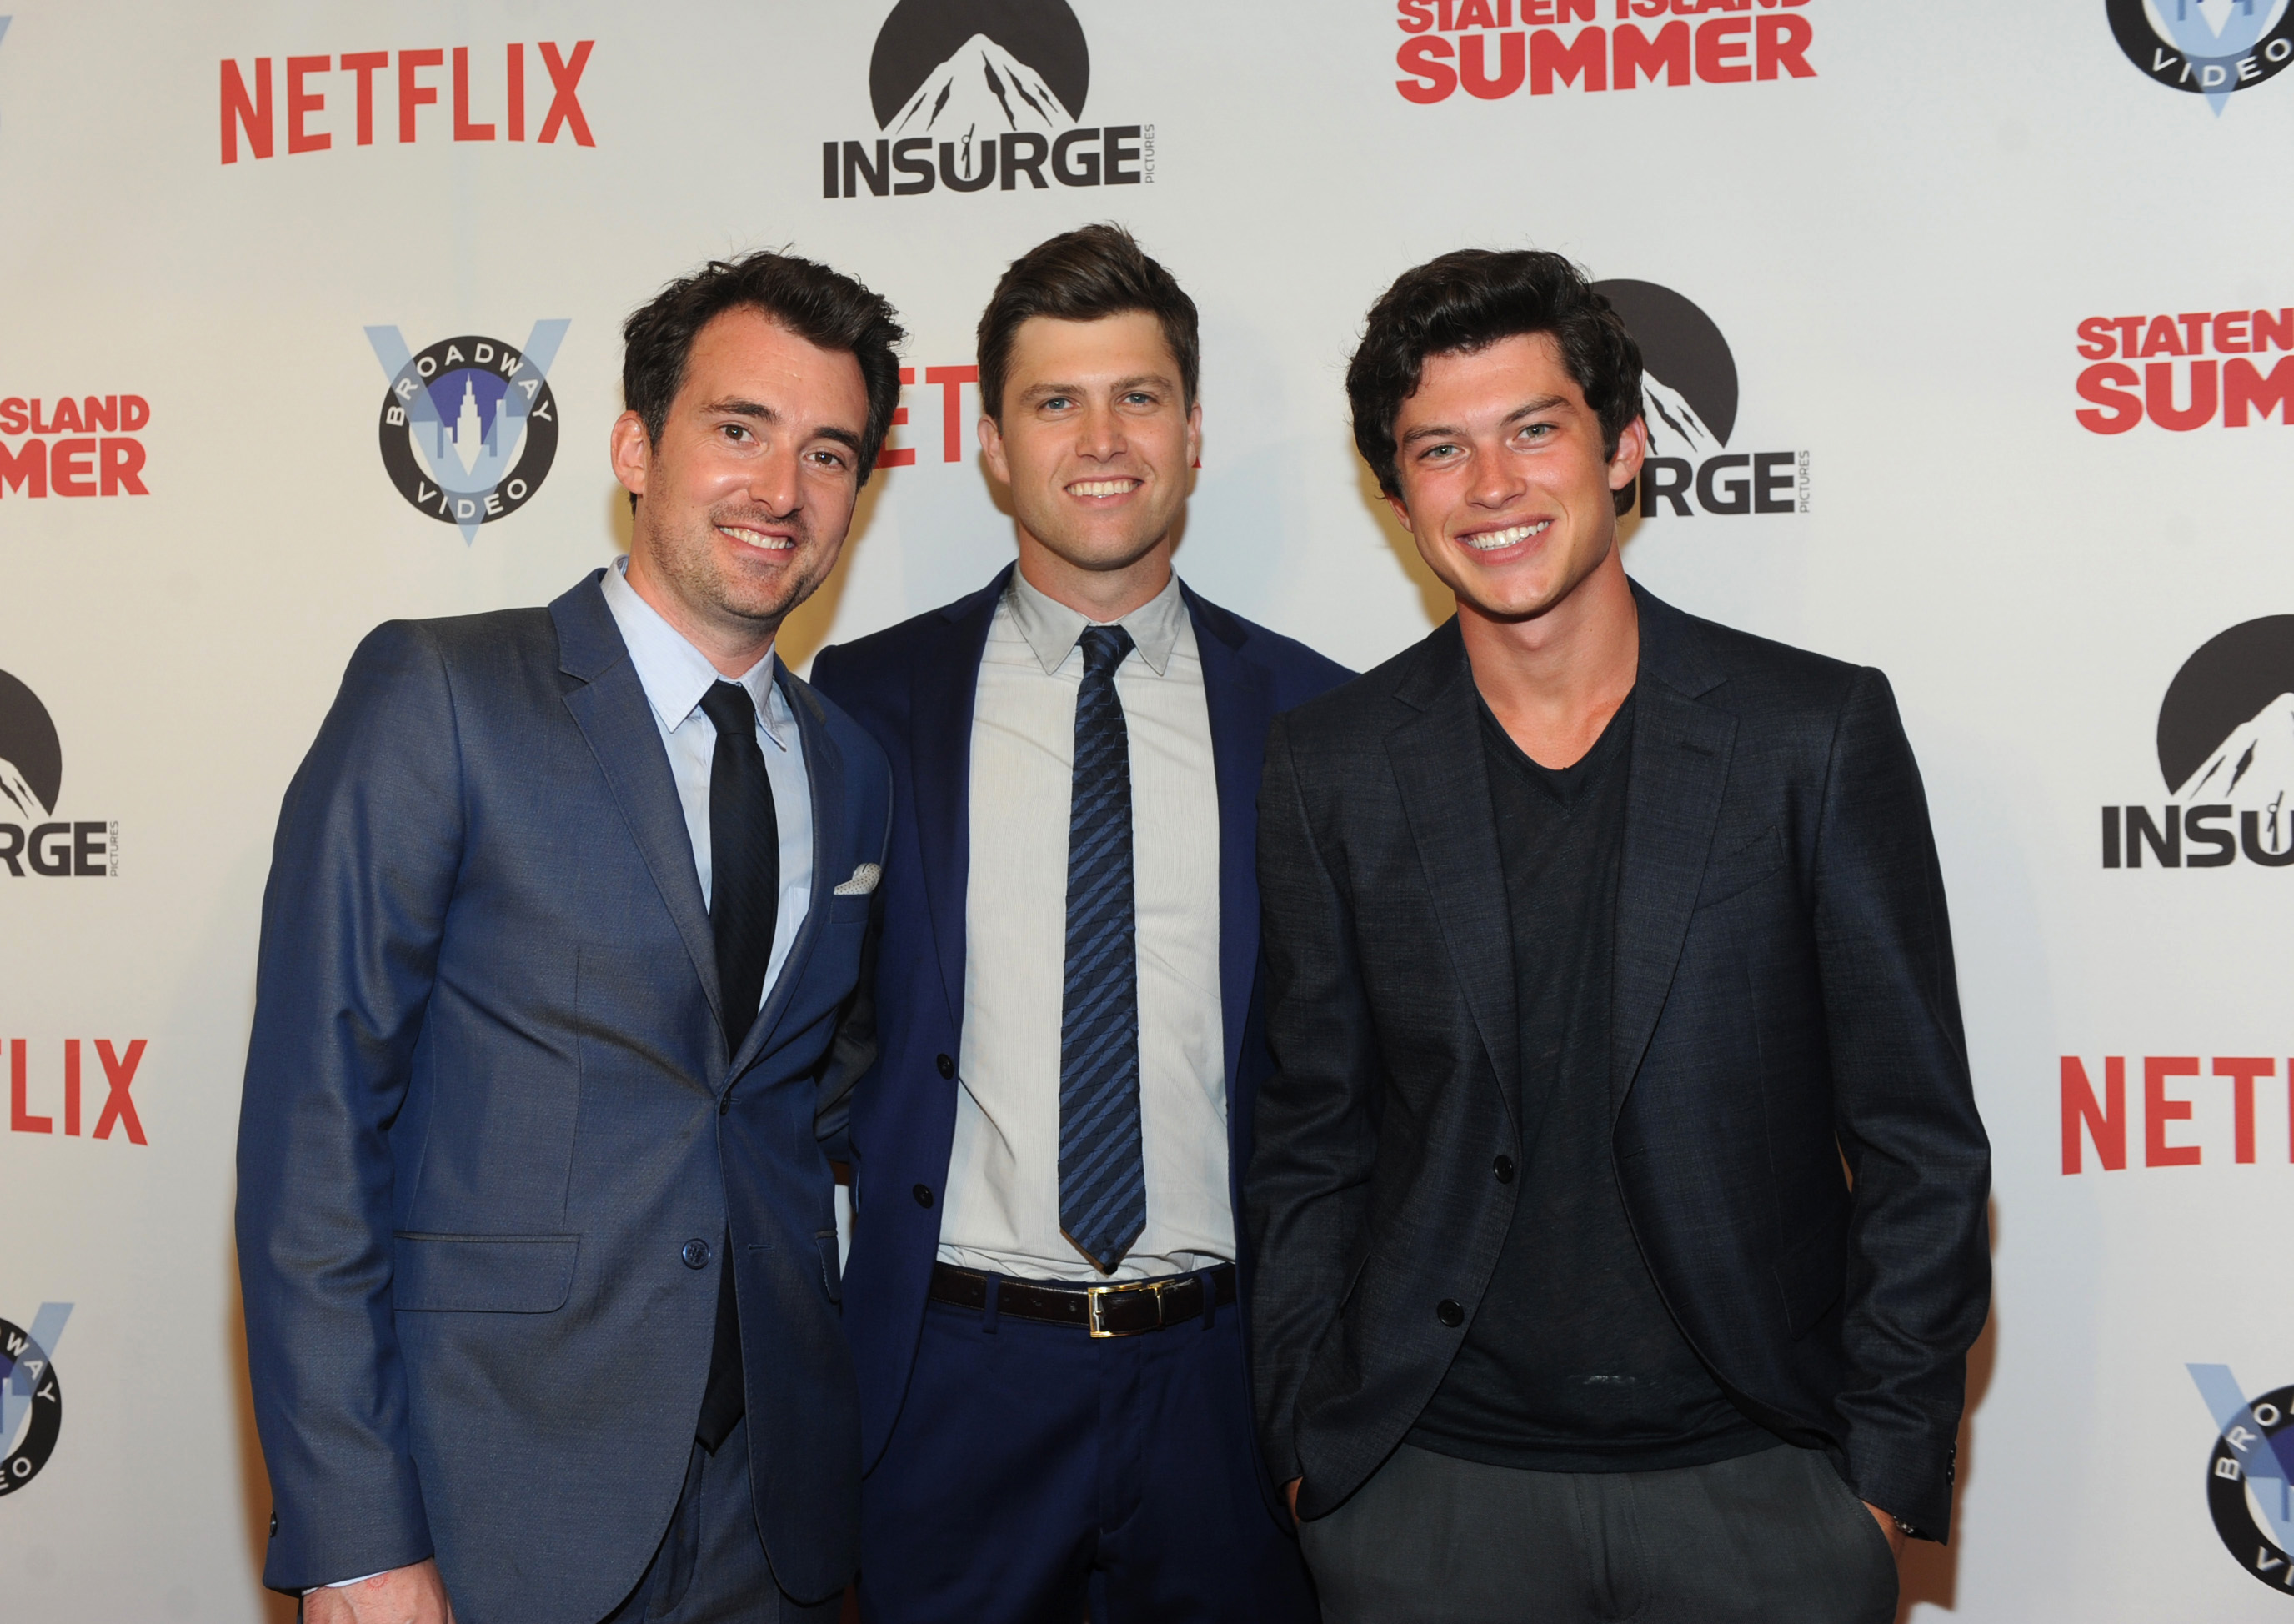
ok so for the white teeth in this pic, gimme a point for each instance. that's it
(1489, 540)
(753, 538)
(1103, 487)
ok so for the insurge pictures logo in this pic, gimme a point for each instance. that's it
(31, 1397)
(2212, 48)
(2225, 743)
(1689, 400)
(2249, 1472)
(468, 424)
(31, 783)
(975, 93)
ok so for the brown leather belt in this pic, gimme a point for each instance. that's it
(1126, 1308)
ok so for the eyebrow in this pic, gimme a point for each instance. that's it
(738, 407)
(1437, 431)
(1045, 391)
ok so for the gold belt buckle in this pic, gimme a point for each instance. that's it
(1094, 1295)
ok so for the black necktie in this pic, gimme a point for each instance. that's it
(745, 886)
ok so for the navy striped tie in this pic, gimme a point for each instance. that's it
(1102, 1176)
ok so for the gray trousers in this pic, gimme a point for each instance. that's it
(711, 1568)
(1768, 1538)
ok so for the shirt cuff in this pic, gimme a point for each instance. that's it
(345, 1584)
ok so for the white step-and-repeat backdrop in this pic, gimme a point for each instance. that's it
(1971, 333)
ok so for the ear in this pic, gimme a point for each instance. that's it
(1195, 434)
(1632, 451)
(631, 451)
(991, 446)
(1401, 511)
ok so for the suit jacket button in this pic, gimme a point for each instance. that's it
(923, 1194)
(946, 1065)
(696, 1253)
(1503, 1169)
(1449, 1313)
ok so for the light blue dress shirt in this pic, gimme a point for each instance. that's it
(674, 675)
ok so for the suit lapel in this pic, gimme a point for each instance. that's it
(939, 774)
(1240, 698)
(824, 771)
(610, 710)
(1444, 778)
(1680, 756)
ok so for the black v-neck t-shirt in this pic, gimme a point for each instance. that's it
(1573, 1362)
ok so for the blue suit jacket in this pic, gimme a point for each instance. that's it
(912, 687)
(488, 1103)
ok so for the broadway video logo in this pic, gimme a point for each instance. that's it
(1688, 396)
(469, 425)
(975, 92)
(2212, 48)
(2227, 752)
(31, 1398)
(31, 781)
(2248, 1475)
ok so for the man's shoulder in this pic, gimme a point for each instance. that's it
(1756, 678)
(1300, 671)
(1358, 712)
(867, 672)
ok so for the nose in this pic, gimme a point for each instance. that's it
(773, 481)
(1496, 481)
(1099, 435)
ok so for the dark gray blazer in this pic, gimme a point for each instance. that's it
(488, 1108)
(1783, 996)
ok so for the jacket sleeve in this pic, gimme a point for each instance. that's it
(1919, 1266)
(1307, 1193)
(368, 844)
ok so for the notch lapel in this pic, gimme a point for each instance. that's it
(1444, 778)
(823, 773)
(1239, 698)
(939, 774)
(610, 710)
(1681, 757)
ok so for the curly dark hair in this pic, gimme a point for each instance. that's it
(1467, 301)
(1081, 276)
(826, 309)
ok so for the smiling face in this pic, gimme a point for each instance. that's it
(1096, 442)
(1504, 481)
(744, 498)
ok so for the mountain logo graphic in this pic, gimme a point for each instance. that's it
(2211, 48)
(1689, 377)
(469, 425)
(2226, 726)
(31, 1398)
(2248, 1475)
(966, 69)
(32, 756)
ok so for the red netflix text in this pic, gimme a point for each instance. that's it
(2173, 1086)
(38, 1096)
(486, 97)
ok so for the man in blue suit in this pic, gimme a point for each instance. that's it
(1042, 1297)
(536, 1225)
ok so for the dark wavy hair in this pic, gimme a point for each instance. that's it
(1467, 301)
(826, 309)
(1082, 276)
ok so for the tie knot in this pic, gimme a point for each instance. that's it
(1103, 649)
(728, 707)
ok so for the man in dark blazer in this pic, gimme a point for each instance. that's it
(536, 1223)
(1619, 1197)
(1042, 1297)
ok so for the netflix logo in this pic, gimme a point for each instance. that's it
(2184, 1099)
(38, 1094)
(483, 98)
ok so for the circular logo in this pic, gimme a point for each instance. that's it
(469, 429)
(942, 66)
(32, 756)
(27, 1377)
(2248, 1531)
(2227, 721)
(1689, 378)
(2208, 47)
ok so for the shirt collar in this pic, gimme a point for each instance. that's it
(674, 673)
(1051, 628)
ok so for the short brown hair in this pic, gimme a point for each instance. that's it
(826, 309)
(1081, 276)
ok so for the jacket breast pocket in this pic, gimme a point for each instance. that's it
(484, 1274)
(1742, 869)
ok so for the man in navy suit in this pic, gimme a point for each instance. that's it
(1042, 1298)
(536, 1225)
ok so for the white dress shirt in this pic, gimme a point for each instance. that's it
(1002, 1207)
(675, 674)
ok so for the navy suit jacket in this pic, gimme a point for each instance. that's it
(1783, 997)
(912, 687)
(488, 1104)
